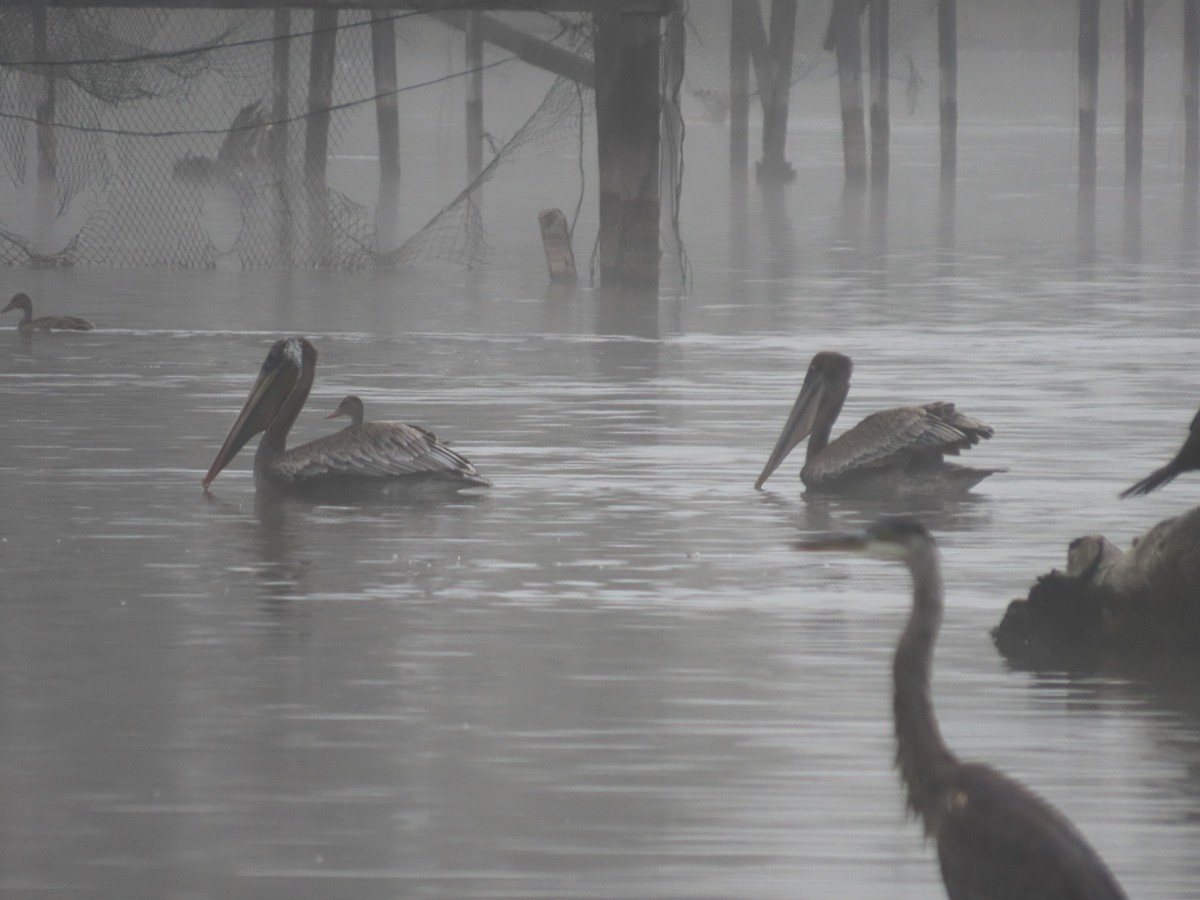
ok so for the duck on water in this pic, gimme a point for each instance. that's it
(895, 449)
(29, 324)
(361, 455)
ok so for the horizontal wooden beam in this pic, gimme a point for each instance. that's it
(651, 7)
(532, 50)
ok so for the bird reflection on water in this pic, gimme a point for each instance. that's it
(995, 837)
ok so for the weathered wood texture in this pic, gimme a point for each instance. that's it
(556, 240)
(1145, 600)
(387, 121)
(627, 49)
(316, 136)
(774, 167)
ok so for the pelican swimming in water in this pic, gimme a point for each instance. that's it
(29, 324)
(360, 455)
(352, 408)
(1187, 459)
(896, 448)
(996, 839)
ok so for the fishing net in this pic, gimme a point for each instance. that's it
(175, 145)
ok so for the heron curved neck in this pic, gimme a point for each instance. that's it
(274, 439)
(924, 761)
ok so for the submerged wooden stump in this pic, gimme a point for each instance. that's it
(1145, 600)
(556, 238)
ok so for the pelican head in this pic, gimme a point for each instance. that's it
(892, 537)
(816, 408)
(21, 302)
(277, 382)
(351, 407)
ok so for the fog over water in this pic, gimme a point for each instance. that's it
(608, 675)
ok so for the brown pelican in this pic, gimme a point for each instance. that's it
(29, 324)
(371, 454)
(896, 448)
(351, 407)
(1185, 460)
(996, 839)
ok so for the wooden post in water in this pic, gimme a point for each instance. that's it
(774, 167)
(880, 120)
(845, 38)
(1135, 86)
(277, 136)
(739, 87)
(947, 21)
(47, 146)
(1089, 75)
(627, 50)
(1191, 118)
(387, 126)
(674, 50)
(556, 241)
(474, 47)
(316, 136)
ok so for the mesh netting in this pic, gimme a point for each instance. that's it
(165, 123)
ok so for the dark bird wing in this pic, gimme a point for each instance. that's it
(894, 436)
(1186, 459)
(376, 450)
(1000, 841)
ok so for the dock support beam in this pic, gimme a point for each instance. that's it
(846, 38)
(880, 119)
(1135, 87)
(277, 136)
(1089, 75)
(316, 137)
(774, 167)
(47, 140)
(1191, 119)
(947, 19)
(474, 54)
(387, 125)
(628, 108)
(739, 87)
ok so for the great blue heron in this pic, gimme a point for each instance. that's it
(29, 324)
(1187, 459)
(996, 839)
(902, 448)
(378, 454)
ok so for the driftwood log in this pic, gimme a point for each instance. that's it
(1145, 600)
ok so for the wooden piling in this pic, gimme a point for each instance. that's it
(739, 86)
(474, 54)
(556, 241)
(387, 125)
(1089, 75)
(1191, 118)
(847, 44)
(316, 136)
(947, 25)
(47, 147)
(674, 50)
(627, 51)
(1135, 86)
(774, 167)
(277, 136)
(878, 65)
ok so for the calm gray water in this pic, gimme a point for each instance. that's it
(608, 676)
